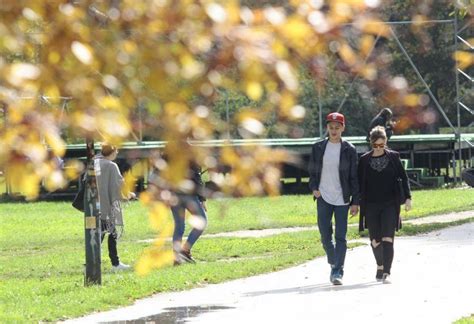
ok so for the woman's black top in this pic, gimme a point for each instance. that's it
(381, 178)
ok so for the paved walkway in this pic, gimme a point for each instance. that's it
(432, 283)
(444, 218)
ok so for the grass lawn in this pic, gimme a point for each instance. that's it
(225, 215)
(42, 251)
(466, 320)
(46, 283)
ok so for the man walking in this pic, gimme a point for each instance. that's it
(334, 184)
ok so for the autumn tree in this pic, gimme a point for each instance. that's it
(170, 58)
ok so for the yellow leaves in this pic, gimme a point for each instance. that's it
(30, 144)
(223, 12)
(177, 167)
(169, 56)
(229, 156)
(279, 48)
(368, 71)
(254, 90)
(191, 68)
(374, 27)
(83, 121)
(216, 12)
(146, 198)
(463, 59)
(15, 115)
(138, 170)
(114, 126)
(51, 91)
(30, 14)
(233, 11)
(158, 255)
(411, 100)
(175, 111)
(289, 109)
(73, 168)
(354, 60)
(297, 112)
(128, 184)
(250, 123)
(82, 52)
(419, 20)
(129, 47)
(110, 102)
(159, 217)
(287, 75)
(22, 178)
(18, 73)
(153, 258)
(275, 16)
(255, 170)
(347, 54)
(54, 180)
(295, 29)
(366, 44)
(254, 74)
(55, 142)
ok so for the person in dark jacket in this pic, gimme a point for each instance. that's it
(334, 184)
(384, 187)
(189, 196)
(384, 119)
(195, 202)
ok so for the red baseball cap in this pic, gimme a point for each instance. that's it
(336, 117)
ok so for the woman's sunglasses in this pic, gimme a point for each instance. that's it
(374, 145)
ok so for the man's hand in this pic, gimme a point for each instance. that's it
(316, 193)
(131, 196)
(354, 210)
(408, 205)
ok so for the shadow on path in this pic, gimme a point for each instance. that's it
(313, 289)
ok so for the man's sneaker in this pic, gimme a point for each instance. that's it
(120, 267)
(337, 279)
(386, 278)
(186, 256)
(379, 275)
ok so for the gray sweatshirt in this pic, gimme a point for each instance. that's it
(109, 182)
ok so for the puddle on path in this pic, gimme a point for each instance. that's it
(174, 315)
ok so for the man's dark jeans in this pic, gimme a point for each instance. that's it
(336, 255)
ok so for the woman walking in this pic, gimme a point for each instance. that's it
(383, 188)
(190, 197)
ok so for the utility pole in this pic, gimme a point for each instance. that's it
(93, 275)
(227, 113)
(320, 108)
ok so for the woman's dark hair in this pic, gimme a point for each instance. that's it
(376, 133)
